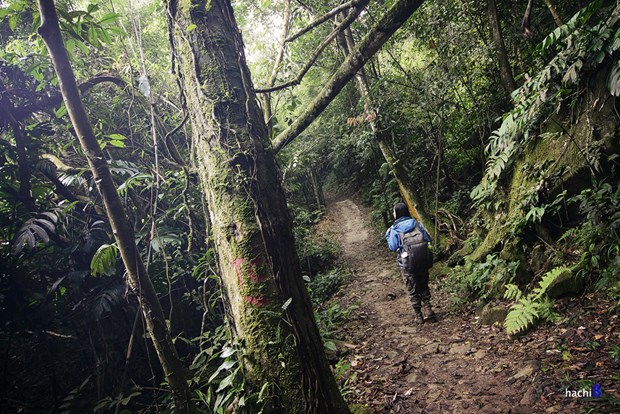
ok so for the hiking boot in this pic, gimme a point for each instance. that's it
(430, 314)
(418, 318)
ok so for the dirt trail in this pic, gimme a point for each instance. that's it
(399, 367)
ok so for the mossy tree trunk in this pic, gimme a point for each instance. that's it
(269, 308)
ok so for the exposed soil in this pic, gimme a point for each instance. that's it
(453, 366)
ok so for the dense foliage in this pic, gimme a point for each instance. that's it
(522, 185)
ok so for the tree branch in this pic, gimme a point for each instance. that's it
(324, 18)
(393, 19)
(267, 107)
(554, 12)
(46, 102)
(342, 26)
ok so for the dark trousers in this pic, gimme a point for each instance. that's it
(417, 287)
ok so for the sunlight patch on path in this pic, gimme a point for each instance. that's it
(354, 231)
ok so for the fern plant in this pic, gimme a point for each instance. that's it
(578, 47)
(533, 307)
(36, 228)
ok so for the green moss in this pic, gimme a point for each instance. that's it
(439, 269)
(360, 409)
(558, 149)
(489, 244)
(526, 174)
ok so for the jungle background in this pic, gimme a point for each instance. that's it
(500, 117)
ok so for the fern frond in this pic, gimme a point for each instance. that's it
(548, 279)
(545, 309)
(512, 292)
(522, 316)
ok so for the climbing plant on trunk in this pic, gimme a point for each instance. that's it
(269, 308)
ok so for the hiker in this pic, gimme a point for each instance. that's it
(409, 238)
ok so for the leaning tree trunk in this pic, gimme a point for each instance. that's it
(389, 23)
(269, 307)
(505, 70)
(137, 276)
(554, 12)
(383, 136)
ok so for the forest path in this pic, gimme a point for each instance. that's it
(451, 366)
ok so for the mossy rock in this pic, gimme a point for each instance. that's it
(439, 269)
(489, 244)
(360, 409)
(468, 246)
(456, 259)
(512, 251)
(539, 259)
(492, 314)
(335, 350)
(567, 284)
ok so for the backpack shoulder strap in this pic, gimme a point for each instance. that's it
(400, 239)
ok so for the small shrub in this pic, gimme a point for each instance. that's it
(477, 281)
(324, 285)
(333, 316)
(318, 253)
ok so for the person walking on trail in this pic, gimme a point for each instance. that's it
(409, 238)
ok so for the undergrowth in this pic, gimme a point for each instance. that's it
(530, 308)
(474, 281)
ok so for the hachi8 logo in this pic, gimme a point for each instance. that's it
(595, 392)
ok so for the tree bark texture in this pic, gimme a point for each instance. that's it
(269, 308)
(383, 136)
(554, 13)
(505, 70)
(137, 276)
(393, 19)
